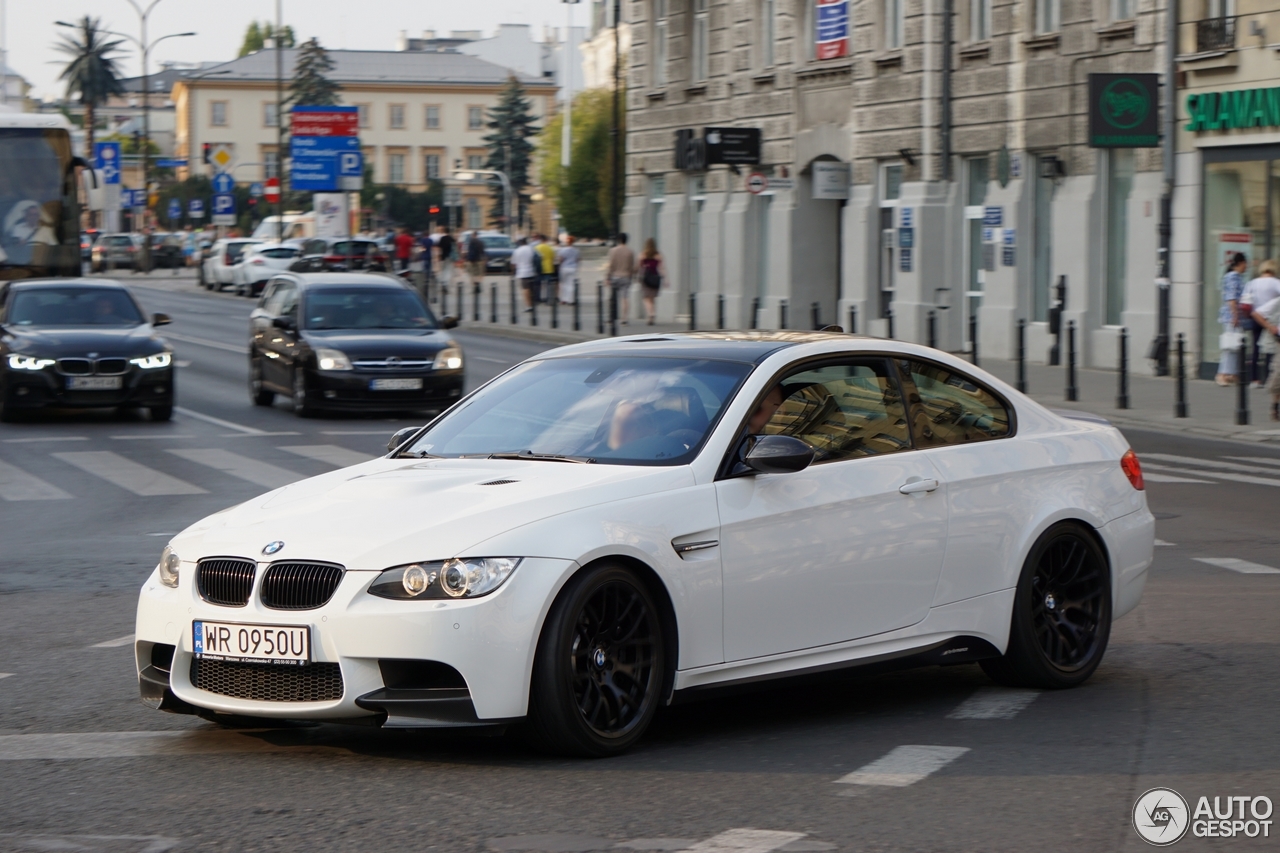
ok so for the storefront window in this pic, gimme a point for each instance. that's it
(1119, 186)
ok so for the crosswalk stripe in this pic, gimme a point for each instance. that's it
(127, 474)
(1160, 543)
(241, 467)
(1200, 463)
(126, 640)
(1259, 460)
(1166, 478)
(18, 485)
(77, 745)
(993, 703)
(904, 765)
(1244, 567)
(1232, 477)
(747, 841)
(210, 419)
(339, 457)
(5, 674)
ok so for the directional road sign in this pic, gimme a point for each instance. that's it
(195, 208)
(326, 164)
(107, 155)
(222, 156)
(255, 189)
(223, 183)
(224, 209)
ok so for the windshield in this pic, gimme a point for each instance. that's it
(496, 242)
(366, 308)
(626, 411)
(73, 306)
(39, 215)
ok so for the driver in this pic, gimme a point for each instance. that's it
(104, 310)
(765, 411)
(630, 422)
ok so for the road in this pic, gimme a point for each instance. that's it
(931, 759)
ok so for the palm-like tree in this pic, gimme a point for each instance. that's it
(92, 74)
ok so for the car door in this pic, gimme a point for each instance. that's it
(849, 547)
(277, 345)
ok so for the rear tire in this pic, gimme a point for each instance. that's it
(1061, 613)
(599, 668)
(301, 399)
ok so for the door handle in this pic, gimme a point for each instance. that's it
(916, 485)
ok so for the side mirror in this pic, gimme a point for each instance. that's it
(778, 454)
(160, 320)
(401, 436)
(285, 323)
(449, 323)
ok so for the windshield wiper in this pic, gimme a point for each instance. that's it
(549, 457)
(416, 454)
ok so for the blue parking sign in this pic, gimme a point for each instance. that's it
(175, 209)
(107, 161)
(195, 208)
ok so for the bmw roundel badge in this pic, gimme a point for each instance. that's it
(273, 548)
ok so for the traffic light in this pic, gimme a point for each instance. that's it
(205, 153)
(433, 210)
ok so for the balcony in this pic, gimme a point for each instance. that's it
(1214, 34)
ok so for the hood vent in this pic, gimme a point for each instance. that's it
(498, 482)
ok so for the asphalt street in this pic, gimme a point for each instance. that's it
(927, 759)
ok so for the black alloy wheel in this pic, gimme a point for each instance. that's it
(260, 395)
(600, 666)
(301, 400)
(1061, 613)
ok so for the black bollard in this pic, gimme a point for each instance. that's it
(1071, 360)
(755, 312)
(613, 311)
(599, 309)
(533, 309)
(853, 319)
(1242, 383)
(888, 315)
(475, 302)
(515, 316)
(816, 311)
(493, 304)
(577, 301)
(693, 311)
(1180, 405)
(973, 338)
(1122, 391)
(1022, 356)
(933, 330)
(555, 312)
(720, 311)
(782, 314)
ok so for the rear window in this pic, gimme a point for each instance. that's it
(496, 242)
(236, 250)
(279, 253)
(121, 241)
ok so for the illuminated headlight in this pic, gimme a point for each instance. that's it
(150, 362)
(332, 359)
(29, 362)
(457, 578)
(449, 358)
(168, 568)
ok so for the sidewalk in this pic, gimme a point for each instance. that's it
(1211, 409)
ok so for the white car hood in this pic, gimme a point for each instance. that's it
(391, 511)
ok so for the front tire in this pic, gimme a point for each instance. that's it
(1061, 613)
(600, 666)
(301, 399)
(260, 395)
(161, 413)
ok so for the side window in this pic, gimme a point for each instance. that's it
(948, 407)
(288, 298)
(314, 247)
(268, 293)
(844, 411)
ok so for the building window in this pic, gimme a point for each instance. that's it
(269, 114)
(475, 161)
(980, 19)
(431, 166)
(1042, 241)
(270, 164)
(892, 24)
(659, 70)
(218, 113)
(395, 116)
(701, 40)
(657, 195)
(363, 111)
(433, 117)
(768, 32)
(395, 168)
(473, 213)
(1047, 16)
(475, 118)
(891, 182)
(1121, 10)
(1118, 187)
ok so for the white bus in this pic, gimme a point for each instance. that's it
(39, 204)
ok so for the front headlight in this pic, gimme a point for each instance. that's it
(332, 359)
(28, 362)
(150, 362)
(449, 358)
(469, 577)
(168, 568)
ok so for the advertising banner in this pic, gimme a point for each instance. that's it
(331, 215)
(831, 41)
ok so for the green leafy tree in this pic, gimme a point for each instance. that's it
(257, 35)
(310, 86)
(92, 74)
(511, 127)
(581, 192)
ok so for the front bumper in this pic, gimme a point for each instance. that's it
(34, 389)
(489, 641)
(351, 390)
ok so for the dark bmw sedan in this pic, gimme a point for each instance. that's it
(351, 341)
(78, 343)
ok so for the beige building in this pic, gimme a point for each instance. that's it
(420, 114)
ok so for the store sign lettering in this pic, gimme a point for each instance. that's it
(1235, 110)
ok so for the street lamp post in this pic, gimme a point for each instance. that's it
(469, 175)
(566, 134)
(615, 131)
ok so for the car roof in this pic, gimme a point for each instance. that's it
(315, 280)
(746, 346)
(49, 283)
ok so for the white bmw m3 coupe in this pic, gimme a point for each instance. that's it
(611, 524)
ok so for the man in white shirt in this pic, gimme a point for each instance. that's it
(525, 260)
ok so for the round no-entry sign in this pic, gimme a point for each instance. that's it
(273, 189)
(757, 183)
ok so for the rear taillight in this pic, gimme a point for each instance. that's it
(258, 262)
(1132, 469)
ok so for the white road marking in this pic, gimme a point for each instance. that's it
(1160, 543)
(1259, 460)
(128, 475)
(126, 640)
(1202, 463)
(76, 745)
(656, 844)
(1166, 478)
(241, 467)
(1232, 477)
(747, 841)
(147, 437)
(904, 765)
(47, 438)
(18, 485)
(994, 703)
(1244, 567)
(210, 419)
(5, 674)
(204, 342)
(140, 843)
(339, 457)
(493, 360)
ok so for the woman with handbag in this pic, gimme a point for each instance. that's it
(1229, 317)
(651, 276)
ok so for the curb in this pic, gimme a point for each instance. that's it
(526, 333)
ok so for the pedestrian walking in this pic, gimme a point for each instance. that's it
(620, 269)
(547, 258)
(567, 257)
(525, 260)
(1258, 292)
(404, 249)
(445, 255)
(476, 256)
(652, 273)
(1229, 317)
(1267, 316)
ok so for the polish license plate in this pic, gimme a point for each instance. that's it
(395, 384)
(286, 644)
(95, 383)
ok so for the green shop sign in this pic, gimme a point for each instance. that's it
(1122, 111)
(1235, 110)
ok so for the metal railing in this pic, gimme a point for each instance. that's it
(1216, 34)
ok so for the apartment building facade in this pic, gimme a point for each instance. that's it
(893, 192)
